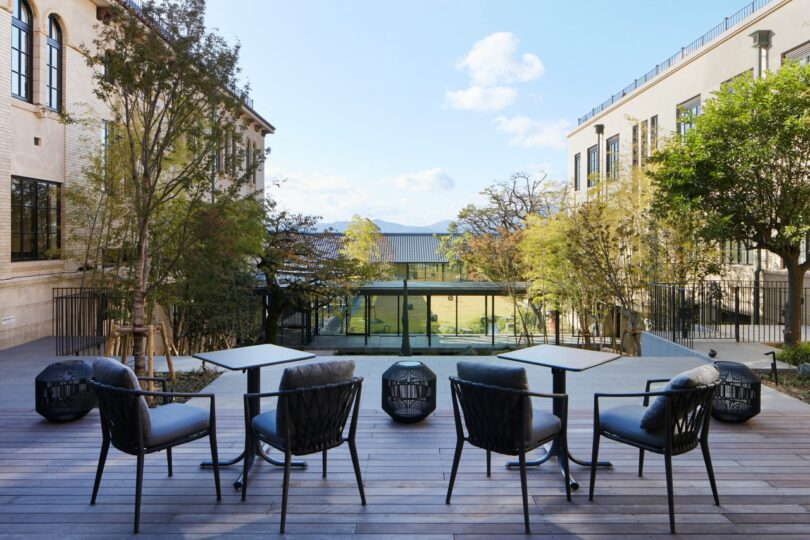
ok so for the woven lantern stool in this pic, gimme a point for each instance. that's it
(409, 391)
(738, 393)
(63, 391)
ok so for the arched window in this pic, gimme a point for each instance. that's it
(21, 54)
(54, 98)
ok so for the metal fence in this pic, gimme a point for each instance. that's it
(678, 57)
(81, 321)
(739, 310)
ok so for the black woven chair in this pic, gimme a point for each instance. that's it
(495, 418)
(134, 429)
(308, 420)
(688, 414)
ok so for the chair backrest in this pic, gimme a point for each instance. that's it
(124, 413)
(690, 411)
(493, 415)
(316, 416)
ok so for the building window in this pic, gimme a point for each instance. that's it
(686, 113)
(645, 150)
(736, 253)
(577, 166)
(654, 133)
(635, 145)
(21, 45)
(35, 219)
(106, 137)
(255, 163)
(612, 157)
(799, 54)
(593, 165)
(54, 65)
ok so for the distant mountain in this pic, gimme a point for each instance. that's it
(390, 227)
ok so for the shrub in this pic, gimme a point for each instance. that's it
(796, 355)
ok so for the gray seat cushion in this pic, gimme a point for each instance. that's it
(114, 373)
(625, 421)
(545, 426)
(265, 424)
(175, 420)
(504, 376)
(655, 416)
(309, 375)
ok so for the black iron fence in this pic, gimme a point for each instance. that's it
(81, 320)
(739, 310)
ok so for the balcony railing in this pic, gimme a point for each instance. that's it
(680, 56)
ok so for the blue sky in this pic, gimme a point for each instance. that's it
(405, 110)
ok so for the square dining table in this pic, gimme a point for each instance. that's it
(561, 360)
(252, 359)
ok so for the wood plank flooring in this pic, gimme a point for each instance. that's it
(46, 475)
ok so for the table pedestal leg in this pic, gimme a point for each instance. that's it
(556, 448)
(254, 383)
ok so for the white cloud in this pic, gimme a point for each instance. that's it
(427, 180)
(529, 133)
(494, 60)
(336, 198)
(479, 98)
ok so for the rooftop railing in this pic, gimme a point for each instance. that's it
(680, 56)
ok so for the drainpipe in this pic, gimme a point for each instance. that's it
(762, 42)
(600, 137)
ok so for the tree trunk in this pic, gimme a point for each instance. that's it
(793, 309)
(271, 325)
(139, 301)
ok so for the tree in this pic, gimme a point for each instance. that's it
(165, 79)
(488, 237)
(745, 166)
(364, 244)
(303, 269)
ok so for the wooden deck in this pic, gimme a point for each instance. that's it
(46, 474)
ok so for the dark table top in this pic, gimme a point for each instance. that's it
(253, 357)
(557, 357)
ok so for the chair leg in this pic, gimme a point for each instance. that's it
(454, 470)
(670, 494)
(525, 490)
(640, 461)
(324, 464)
(212, 438)
(138, 490)
(102, 459)
(489, 464)
(594, 459)
(285, 489)
(707, 459)
(169, 459)
(248, 448)
(563, 459)
(356, 465)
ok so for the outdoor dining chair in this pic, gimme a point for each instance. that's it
(496, 406)
(314, 404)
(133, 428)
(676, 423)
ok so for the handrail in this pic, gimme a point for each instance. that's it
(678, 57)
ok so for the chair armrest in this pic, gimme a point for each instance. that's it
(266, 394)
(633, 394)
(174, 394)
(163, 384)
(649, 384)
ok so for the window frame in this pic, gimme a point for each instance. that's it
(612, 157)
(691, 106)
(24, 30)
(786, 56)
(577, 172)
(635, 142)
(55, 49)
(592, 165)
(52, 229)
(653, 133)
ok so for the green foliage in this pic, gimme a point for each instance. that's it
(744, 168)
(364, 244)
(795, 355)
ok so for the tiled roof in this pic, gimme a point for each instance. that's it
(395, 247)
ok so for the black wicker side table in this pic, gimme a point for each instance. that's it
(737, 397)
(63, 391)
(409, 391)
